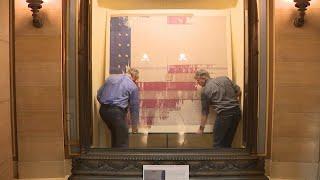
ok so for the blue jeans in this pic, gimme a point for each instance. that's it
(225, 128)
(114, 117)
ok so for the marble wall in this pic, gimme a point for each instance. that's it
(296, 108)
(39, 95)
(6, 172)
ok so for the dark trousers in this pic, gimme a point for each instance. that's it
(225, 128)
(114, 117)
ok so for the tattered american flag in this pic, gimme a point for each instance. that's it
(159, 98)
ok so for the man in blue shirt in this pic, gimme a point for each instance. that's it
(117, 94)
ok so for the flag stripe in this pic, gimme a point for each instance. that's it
(183, 95)
(192, 68)
(160, 103)
(167, 86)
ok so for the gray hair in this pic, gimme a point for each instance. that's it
(133, 72)
(201, 73)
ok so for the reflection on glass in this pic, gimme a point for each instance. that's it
(182, 57)
(145, 57)
(170, 102)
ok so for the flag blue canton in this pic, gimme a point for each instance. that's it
(120, 45)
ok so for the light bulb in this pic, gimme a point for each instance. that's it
(182, 57)
(145, 57)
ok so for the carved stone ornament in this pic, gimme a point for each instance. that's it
(122, 163)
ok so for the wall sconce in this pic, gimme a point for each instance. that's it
(302, 7)
(35, 5)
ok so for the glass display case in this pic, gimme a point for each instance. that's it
(167, 41)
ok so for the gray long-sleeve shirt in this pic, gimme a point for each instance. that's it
(221, 93)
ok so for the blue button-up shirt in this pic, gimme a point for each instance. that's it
(120, 90)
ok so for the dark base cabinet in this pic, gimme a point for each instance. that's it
(205, 164)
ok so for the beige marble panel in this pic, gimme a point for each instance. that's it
(67, 166)
(38, 49)
(41, 73)
(41, 169)
(50, 12)
(6, 169)
(297, 44)
(35, 123)
(284, 21)
(297, 98)
(5, 71)
(5, 130)
(44, 148)
(6, 166)
(47, 5)
(303, 125)
(38, 98)
(38, 70)
(295, 149)
(295, 144)
(4, 21)
(288, 4)
(293, 170)
(298, 74)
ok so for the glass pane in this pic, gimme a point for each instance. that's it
(168, 46)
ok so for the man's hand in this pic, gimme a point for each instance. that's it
(134, 129)
(200, 130)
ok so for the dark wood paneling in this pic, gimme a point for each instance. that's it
(84, 70)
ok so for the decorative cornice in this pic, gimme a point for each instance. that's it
(129, 162)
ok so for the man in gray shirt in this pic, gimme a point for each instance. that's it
(223, 95)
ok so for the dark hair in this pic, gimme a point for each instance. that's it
(201, 73)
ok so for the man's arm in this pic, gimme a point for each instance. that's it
(100, 91)
(134, 109)
(202, 123)
(204, 112)
(237, 90)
